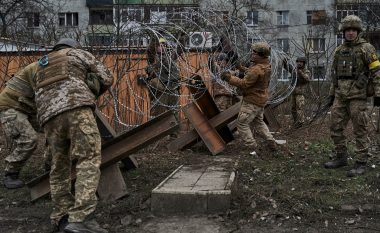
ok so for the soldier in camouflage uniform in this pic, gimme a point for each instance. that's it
(17, 111)
(65, 100)
(163, 77)
(298, 95)
(222, 97)
(355, 63)
(255, 88)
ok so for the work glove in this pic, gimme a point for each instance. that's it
(93, 83)
(226, 76)
(330, 100)
(376, 101)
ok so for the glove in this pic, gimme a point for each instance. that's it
(330, 100)
(376, 101)
(226, 76)
(141, 80)
(93, 83)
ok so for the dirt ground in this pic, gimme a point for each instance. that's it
(289, 191)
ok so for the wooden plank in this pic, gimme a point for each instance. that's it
(219, 121)
(118, 148)
(206, 131)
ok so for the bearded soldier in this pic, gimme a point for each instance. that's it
(17, 111)
(355, 63)
(68, 81)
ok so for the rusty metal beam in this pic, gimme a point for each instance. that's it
(118, 148)
(108, 133)
(219, 121)
(207, 105)
(206, 131)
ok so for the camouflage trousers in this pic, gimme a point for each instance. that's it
(298, 108)
(74, 136)
(342, 111)
(223, 102)
(255, 114)
(163, 98)
(24, 138)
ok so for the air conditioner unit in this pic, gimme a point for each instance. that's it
(200, 40)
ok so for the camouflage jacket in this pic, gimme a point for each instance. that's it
(255, 84)
(303, 78)
(19, 93)
(354, 63)
(165, 70)
(61, 84)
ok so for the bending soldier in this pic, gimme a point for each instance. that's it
(17, 111)
(68, 82)
(355, 61)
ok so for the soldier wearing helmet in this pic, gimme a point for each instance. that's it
(302, 74)
(223, 97)
(355, 64)
(163, 78)
(255, 89)
(65, 103)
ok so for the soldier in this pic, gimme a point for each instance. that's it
(355, 61)
(68, 81)
(298, 96)
(223, 98)
(17, 111)
(255, 88)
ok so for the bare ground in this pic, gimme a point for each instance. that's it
(285, 192)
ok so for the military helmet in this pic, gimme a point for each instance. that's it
(261, 48)
(222, 57)
(66, 42)
(162, 40)
(301, 59)
(351, 21)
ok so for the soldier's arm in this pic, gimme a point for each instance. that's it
(372, 61)
(304, 75)
(103, 75)
(249, 79)
(334, 80)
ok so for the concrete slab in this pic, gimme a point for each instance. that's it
(194, 189)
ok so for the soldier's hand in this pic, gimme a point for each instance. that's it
(226, 76)
(376, 101)
(330, 100)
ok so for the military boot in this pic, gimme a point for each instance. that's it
(359, 169)
(339, 161)
(84, 227)
(11, 181)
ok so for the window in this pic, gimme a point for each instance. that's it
(282, 17)
(252, 18)
(317, 17)
(100, 39)
(283, 44)
(218, 18)
(98, 17)
(344, 10)
(318, 73)
(133, 14)
(317, 45)
(33, 19)
(283, 75)
(158, 15)
(339, 39)
(68, 19)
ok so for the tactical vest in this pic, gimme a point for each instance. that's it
(350, 62)
(57, 68)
